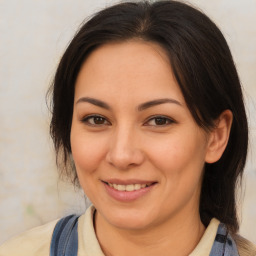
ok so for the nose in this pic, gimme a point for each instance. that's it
(124, 149)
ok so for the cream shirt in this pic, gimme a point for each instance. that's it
(36, 242)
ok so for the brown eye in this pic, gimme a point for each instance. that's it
(98, 120)
(159, 121)
(95, 120)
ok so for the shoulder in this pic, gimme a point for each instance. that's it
(244, 246)
(34, 242)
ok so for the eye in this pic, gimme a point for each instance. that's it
(159, 121)
(95, 120)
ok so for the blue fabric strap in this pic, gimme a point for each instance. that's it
(65, 237)
(224, 245)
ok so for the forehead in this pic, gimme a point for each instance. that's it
(127, 69)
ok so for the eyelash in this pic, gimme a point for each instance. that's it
(159, 117)
(87, 118)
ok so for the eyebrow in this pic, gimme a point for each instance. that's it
(156, 102)
(141, 107)
(95, 102)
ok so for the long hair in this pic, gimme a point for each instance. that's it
(203, 67)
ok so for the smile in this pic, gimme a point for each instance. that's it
(129, 190)
(129, 187)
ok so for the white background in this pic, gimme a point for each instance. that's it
(33, 35)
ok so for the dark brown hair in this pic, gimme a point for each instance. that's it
(203, 67)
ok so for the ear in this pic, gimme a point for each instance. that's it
(218, 137)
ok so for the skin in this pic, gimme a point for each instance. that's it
(127, 142)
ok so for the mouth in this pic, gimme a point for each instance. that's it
(129, 187)
(128, 190)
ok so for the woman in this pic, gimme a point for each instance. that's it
(148, 118)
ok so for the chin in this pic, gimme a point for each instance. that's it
(132, 219)
(130, 223)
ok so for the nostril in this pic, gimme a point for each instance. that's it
(124, 159)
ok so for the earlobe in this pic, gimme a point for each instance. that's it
(219, 136)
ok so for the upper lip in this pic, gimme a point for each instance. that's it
(128, 181)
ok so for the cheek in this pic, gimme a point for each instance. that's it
(87, 151)
(177, 154)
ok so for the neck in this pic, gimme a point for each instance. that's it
(167, 238)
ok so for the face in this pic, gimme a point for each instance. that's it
(138, 152)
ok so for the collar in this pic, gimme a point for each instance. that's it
(216, 240)
(223, 245)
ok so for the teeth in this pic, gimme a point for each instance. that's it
(121, 187)
(130, 187)
(137, 186)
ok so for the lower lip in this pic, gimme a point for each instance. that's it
(127, 196)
